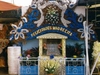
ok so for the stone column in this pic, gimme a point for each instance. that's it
(14, 53)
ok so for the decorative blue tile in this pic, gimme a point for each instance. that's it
(75, 70)
(28, 70)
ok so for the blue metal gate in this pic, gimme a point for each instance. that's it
(75, 66)
(28, 66)
(71, 66)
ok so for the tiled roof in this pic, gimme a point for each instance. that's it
(5, 6)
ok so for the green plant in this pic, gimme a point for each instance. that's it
(75, 49)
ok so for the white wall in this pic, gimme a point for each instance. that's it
(80, 10)
(24, 9)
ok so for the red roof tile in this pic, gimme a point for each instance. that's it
(5, 6)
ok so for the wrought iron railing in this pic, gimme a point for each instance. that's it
(75, 66)
(67, 66)
(28, 66)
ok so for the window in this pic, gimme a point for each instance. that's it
(52, 47)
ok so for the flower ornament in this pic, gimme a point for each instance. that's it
(52, 15)
(18, 31)
(72, 3)
(60, 48)
(51, 66)
(45, 48)
(51, 56)
(24, 19)
(34, 6)
(80, 19)
(96, 51)
(90, 31)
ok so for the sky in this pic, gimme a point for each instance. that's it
(19, 2)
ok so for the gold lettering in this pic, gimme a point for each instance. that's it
(62, 29)
(66, 31)
(59, 28)
(47, 28)
(54, 28)
(43, 29)
(70, 34)
(39, 31)
(32, 34)
(51, 28)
